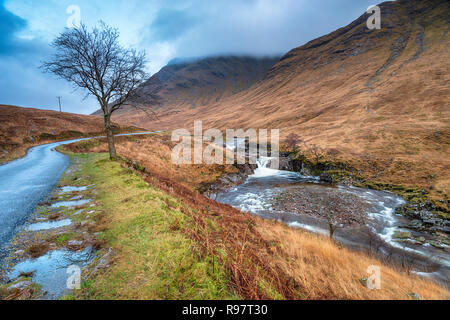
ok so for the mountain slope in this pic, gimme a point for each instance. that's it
(194, 83)
(21, 128)
(381, 95)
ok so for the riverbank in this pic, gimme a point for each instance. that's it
(372, 173)
(423, 212)
(145, 236)
(153, 226)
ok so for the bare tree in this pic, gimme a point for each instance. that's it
(292, 141)
(95, 61)
(316, 151)
(333, 154)
(331, 225)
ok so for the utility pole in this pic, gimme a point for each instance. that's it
(59, 101)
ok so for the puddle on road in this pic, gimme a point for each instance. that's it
(51, 270)
(49, 225)
(68, 189)
(71, 203)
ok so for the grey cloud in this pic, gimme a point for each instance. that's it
(179, 29)
(10, 24)
(257, 27)
(22, 82)
(170, 24)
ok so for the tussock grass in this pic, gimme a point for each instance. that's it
(164, 226)
(326, 271)
(269, 260)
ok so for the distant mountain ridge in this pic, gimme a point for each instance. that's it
(381, 94)
(195, 82)
(332, 76)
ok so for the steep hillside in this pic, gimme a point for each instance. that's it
(21, 128)
(195, 83)
(380, 97)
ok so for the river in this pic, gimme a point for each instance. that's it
(364, 219)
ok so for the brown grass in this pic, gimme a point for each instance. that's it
(325, 270)
(268, 260)
(4, 293)
(36, 250)
(334, 98)
(22, 128)
(154, 153)
(230, 235)
(295, 264)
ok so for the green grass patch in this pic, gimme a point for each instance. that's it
(62, 239)
(153, 258)
(269, 290)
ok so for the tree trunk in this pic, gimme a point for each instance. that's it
(110, 137)
(331, 226)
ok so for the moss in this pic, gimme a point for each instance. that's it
(68, 297)
(402, 235)
(136, 166)
(340, 175)
(412, 195)
(62, 239)
(442, 215)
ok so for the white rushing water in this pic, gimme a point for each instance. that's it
(255, 201)
(260, 189)
(264, 169)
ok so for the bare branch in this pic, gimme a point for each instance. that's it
(95, 61)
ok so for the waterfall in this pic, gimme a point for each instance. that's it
(263, 162)
(264, 169)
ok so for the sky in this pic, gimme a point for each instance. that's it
(164, 29)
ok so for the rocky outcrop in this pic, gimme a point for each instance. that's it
(228, 181)
(423, 218)
(422, 215)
